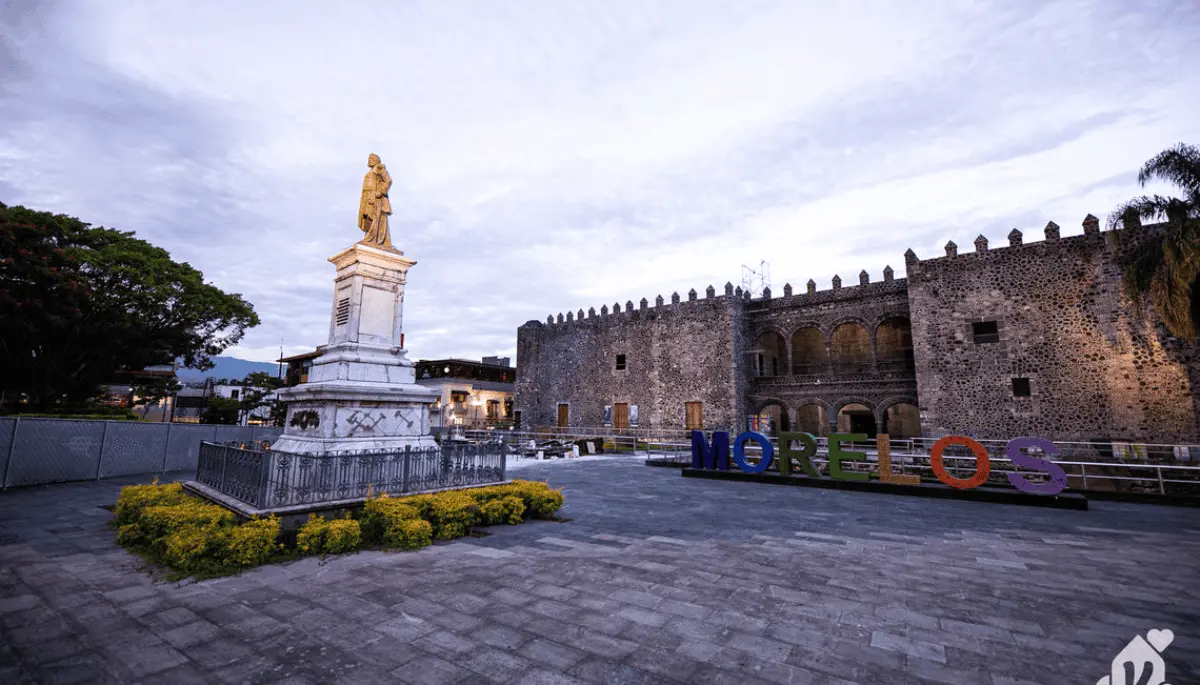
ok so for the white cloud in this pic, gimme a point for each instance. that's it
(554, 156)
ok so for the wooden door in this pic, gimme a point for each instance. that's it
(695, 415)
(563, 415)
(620, 416)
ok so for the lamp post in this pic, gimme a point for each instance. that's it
(477, 403)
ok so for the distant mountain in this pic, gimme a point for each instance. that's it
(227, 367)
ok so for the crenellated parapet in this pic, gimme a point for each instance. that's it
(1016, 241)
(645, 309)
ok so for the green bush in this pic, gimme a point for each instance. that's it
(320, 536)
(310, 538)
(251, 543)
(540, 500)
(452, 514)
(158, 521)
(409, 534)
(134, 498)
(510, 510)
(342, 536)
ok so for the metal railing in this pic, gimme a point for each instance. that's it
(266, 478)
(1084, 464)
(36, 451)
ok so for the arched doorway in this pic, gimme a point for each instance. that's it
(856, 418)
(772, 418)
(812, 419)
(850, 349)
(902, 420)
(770, 355)
(893, 344)
(809, 355)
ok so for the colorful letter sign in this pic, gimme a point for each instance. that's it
(716, 456)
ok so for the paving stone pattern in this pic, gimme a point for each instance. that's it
(654, 579)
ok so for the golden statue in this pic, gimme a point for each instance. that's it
(374, 207)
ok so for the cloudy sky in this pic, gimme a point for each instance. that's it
(554, 155)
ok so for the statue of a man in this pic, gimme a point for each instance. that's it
(374, 206)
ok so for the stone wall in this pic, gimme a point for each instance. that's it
(1097, 367)
(845, 345)
(675, 352)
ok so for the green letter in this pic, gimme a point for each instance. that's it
(837, 455)
(787, 454)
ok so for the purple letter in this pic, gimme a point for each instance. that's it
(1058, 477)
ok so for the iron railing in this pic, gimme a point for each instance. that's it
(268, 479)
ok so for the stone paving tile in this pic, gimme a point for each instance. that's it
(770, 585)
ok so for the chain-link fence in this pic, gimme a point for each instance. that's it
(34, 451)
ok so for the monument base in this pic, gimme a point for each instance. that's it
(361, 395)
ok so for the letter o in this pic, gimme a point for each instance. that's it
(983, 465)
(739, 451)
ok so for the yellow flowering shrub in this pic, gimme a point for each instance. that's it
(510, 510)
(321, 536)
(409, 534)
(134, 498)
(451, 514)
(541, 501)
(252, 543)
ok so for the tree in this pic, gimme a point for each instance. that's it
(257, 392)
(1165, 265)
(153, 391)
(222, 410)
(86, 303)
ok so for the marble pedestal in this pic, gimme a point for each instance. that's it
(360, 393)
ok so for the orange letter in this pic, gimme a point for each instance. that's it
(983, 465)
(885, 464)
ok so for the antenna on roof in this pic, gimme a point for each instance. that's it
(754, 282)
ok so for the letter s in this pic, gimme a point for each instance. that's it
(1058, 477)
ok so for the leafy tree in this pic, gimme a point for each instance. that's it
(82, 303)
(222, 410)
(153, 391)
(257, 390)
(1165, 265)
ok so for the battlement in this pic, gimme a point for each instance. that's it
(1016, 241)
(865, 288)
(644, 308)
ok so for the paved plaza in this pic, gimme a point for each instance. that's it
(654, 578)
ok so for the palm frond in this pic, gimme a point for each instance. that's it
(1144, 208)
(1179, 166)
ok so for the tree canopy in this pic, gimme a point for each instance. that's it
(1166, 265)
(83, 304)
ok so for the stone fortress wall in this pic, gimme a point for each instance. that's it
(1030, 339)
(674, 352)
(1094, 365)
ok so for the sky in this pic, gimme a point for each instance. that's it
(552, 156)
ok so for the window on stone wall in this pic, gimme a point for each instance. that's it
(620, 362)
(1021, 387)
(986, 332)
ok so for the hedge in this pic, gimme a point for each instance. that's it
(190, 536)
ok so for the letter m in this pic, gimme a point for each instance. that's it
(714, 456)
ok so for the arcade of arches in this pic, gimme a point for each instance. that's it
(848, 349)
(899, 420)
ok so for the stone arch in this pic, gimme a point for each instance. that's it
(777, 412)
(855, 415)
(893, 343)
(810, 350)
(770, 354)
(850, 347)
(900, 417)
(812, 416)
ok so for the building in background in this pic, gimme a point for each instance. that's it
(474, 394)
(298, 366)
(1033, 338)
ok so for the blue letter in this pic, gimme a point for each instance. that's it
(1058, 477)
(739, 452)
(716, 456)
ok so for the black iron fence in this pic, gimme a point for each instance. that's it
(268, 479)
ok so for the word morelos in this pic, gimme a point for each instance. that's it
(712, 455)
